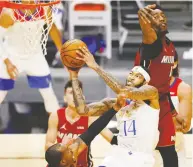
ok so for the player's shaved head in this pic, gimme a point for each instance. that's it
(160, 16)
(60, 156)
(54, 155)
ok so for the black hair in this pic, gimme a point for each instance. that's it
(69, 85)
(53, 156)
(175, 71)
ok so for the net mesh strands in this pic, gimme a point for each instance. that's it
(30, 11)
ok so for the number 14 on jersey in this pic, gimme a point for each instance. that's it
(130, 128)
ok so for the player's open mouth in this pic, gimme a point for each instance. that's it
(129, 83)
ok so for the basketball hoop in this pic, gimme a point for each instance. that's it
(16, 4)
(39, 11)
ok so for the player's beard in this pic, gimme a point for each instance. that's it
(159, 31)
(141, 84)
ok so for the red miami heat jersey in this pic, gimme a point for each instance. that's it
(174, 92)
(160, 67)
(73, 130)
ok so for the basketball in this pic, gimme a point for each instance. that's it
(68, 53)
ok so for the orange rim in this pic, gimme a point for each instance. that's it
(13, 5)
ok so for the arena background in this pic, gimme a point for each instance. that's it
(23, 119)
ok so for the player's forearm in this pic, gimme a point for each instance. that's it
(149, 37)
(56, 36)
(150, 51)
(145, 92)
(99, 108)
(79, 146)
(107, 135)
(79, 100)
(112, 82)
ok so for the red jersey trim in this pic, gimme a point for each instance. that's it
(174, 86)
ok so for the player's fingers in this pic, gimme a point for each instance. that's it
(81, 58)
(15, 75)
(12, 75)
(145, 17)
(83, 50)
(178, 128)
(149, 10)
(80, 53)
(150, 17)
(142, 19)
(86, 51)
(153, 6)
(16, 71)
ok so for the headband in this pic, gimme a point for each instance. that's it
(140, 70)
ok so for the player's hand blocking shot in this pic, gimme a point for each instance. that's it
(158, 54)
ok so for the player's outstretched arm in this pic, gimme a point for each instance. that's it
(146, 20)
(145, 92)
(97, 126)
(54, 32)
(112, 82)
(52, 130)
(93, 109)
(152, 44)
(56, 36)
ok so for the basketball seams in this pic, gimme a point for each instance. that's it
(69, 50)
(68, 45)
(66, 60)
(68, 53)
(71, 57)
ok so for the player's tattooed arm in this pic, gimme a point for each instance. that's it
(85, 55)
(93, 109)
(145, 92)
(78, 97)
(78, 146)
(99, 108)
(112, 82)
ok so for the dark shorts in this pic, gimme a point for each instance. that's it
(166, 125)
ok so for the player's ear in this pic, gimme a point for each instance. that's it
(145, 82)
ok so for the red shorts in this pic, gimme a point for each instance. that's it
(166, 125)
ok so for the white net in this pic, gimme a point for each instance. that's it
(32, 24)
